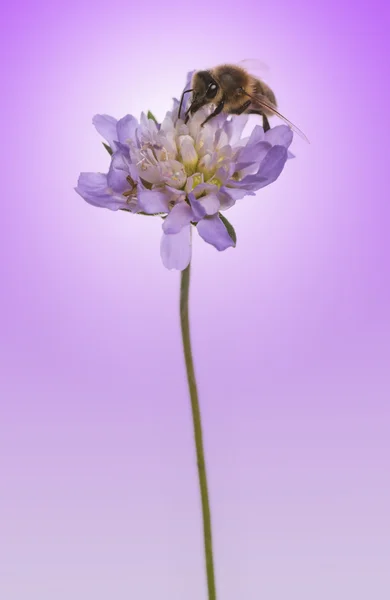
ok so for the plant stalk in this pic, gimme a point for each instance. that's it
(197, 423)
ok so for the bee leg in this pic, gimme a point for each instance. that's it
(266, 125)
(241, 109)
(187, 116)
(215, 113)
(181, 100)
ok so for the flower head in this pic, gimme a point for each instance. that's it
(187, 174)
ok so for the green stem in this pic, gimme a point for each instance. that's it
(185, 329)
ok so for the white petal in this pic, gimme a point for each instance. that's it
(176, 249)
(188, 153)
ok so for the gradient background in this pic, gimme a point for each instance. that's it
(291, 330)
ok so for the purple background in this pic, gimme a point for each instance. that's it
(291, 330)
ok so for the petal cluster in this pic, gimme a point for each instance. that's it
(187, 174)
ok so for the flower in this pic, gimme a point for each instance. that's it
(187, 174)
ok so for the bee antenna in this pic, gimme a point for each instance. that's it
(181, 101)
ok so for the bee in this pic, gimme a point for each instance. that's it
(233, 90)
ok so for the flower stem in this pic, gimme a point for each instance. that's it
(185, 329)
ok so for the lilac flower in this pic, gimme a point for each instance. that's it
(185, 173)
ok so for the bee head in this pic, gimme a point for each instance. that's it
(205, 88)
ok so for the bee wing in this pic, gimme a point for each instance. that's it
(252, 65)
(263, 102)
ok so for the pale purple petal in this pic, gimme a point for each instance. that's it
(202, 188)
(176, 195)
(133, 172)
(118, 173)
(281, 135)
(235, 126)
(214, 232)
(176, 249)
(180, 216)
(272, 165)
(211, 203)
(224, 172)
(126, 128)
(93, 187)
(153, 201)
(256, 136)
(206, 205)
(106, 126)
(197, 208)
(250, 154)
(122, 148)
(269, 170)
(236, 194)
(227, 199)
(95, 183)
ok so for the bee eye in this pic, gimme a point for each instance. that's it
(212, 91)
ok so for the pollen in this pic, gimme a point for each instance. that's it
(215, 181)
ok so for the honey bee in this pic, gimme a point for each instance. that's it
(233, 90)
